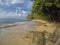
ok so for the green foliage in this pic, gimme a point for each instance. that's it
(36, 16)
(46, 9)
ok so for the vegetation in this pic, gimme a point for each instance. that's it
(46, 9)
(43, 38)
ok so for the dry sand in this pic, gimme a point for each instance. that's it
(14, 35)
(46, 26)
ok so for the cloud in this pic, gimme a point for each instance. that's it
(17, 1)
(24, 11)
(15, 8)
(8, 2)
(4, 14)
(29, 5)
(13, 3)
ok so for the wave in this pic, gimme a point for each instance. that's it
(9, 25)
(14, 24)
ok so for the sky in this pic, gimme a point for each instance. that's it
(15, 8)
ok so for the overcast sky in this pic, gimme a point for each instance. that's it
(15, 8)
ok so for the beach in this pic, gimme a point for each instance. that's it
(15, 34)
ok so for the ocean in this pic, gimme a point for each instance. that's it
(11, 21)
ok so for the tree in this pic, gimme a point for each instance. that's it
(48, 8)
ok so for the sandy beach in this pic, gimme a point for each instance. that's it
(14, 35)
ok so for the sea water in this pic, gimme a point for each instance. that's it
(11, 21)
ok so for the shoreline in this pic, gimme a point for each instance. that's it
(20, 23)
(13, 24)
(39, 25)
